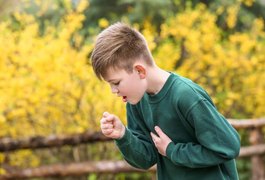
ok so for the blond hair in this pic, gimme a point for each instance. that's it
(119, 46)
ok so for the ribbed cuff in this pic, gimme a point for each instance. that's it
(125, 139)
(169, 149)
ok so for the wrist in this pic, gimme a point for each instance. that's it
(125, 139)
(122, 132)
(169, 149)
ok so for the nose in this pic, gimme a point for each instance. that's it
(114, 90)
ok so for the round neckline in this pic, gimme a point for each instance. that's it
(154, 98)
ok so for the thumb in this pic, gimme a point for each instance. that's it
(159, 131)
(109, 117)
(106, 114)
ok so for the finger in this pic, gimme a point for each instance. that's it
(110, 118)
(159, 131)
(104, 121)
(107, 131)
(154, 137)
(106, 126)
(107, 120)
(106, 114)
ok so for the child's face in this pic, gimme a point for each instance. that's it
(130, 86)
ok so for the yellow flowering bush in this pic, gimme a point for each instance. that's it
(47, 84)
(231, 69)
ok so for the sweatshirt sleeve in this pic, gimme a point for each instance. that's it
(218, 141)
(136, 146)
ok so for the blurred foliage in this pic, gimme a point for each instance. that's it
(48, 87)
(136, 12)
(7, 7)
(231, 68)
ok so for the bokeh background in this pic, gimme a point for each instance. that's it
(47, 85)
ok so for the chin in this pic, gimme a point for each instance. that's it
(133, 102)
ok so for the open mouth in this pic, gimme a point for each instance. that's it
(124, 98)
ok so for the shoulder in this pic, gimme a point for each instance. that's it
(187, 93)
(186, 89)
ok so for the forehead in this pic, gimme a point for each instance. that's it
(115, 74)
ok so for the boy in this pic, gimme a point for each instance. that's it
(171, 121)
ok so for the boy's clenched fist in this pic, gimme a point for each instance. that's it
(111, 126)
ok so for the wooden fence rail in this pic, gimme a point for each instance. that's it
(9, 144)
(256, 150)
(73, 169)
(37, 142)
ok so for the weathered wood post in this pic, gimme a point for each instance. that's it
(257, 161)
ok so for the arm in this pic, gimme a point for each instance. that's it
(218, 141)
(136, 145)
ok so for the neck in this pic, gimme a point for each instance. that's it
(156, 79)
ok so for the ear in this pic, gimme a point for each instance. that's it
(140, 70)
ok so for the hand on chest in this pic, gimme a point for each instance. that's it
(169, 123)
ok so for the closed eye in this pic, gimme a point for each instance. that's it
(116, 83)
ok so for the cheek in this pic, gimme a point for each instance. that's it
(136, 88)
(133, 86)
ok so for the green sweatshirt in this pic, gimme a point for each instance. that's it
(204, 145)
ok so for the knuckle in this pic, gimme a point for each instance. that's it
(112, 116)
(109, 118)
(102, 120)
(106, 132)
